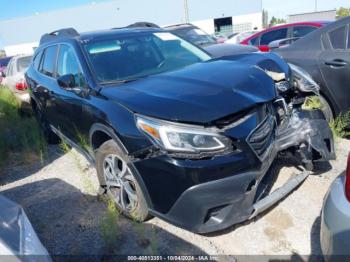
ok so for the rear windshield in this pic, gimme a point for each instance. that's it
(127, 58)
(5, 61)
(23, 63)
(195, 36)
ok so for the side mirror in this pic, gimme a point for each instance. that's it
(275, 44)
(66, 81)
(282, 42)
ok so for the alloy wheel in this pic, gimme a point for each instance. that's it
(120, 182)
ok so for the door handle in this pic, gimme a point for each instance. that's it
(336, 63)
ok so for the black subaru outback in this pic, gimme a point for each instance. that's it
(173, 132)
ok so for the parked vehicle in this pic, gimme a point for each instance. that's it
(14, 79)
(335, 226)
(213, 46)
(3, 64)
(237, 38)
(263, 38)
(220, 38)
(325, 55)
(18, 238)
(193, 34)
(173, 132)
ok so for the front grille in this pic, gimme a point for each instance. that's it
(262, 137)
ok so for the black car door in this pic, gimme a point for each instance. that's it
(71, 104)
(46, 89)
(334, 63)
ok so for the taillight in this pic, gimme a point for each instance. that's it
(21, 85)
(347, 180)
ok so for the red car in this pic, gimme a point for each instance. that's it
(263, 38)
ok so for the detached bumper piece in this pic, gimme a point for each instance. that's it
(278, 194)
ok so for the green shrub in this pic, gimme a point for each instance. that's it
(340, 125)
(18, 134)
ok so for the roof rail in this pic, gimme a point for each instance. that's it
(176, 25)
(67, 32)
(143, 24)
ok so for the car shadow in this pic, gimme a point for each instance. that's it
(69, 222)
(20, 168)
(272, 175)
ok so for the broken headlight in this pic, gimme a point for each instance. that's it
(303, 80)
(180, 137)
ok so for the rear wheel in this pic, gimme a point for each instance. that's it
(119, 182)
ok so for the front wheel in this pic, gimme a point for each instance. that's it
(119, 182)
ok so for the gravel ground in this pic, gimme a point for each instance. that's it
(59, 197)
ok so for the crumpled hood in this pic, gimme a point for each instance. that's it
(200, 93)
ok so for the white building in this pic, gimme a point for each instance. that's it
(221, 15)
(232, 24)
(21, 49)
(313, 16)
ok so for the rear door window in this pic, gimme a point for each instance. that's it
(273, 35)
(337, 38)
(48, 64)
(300, 31)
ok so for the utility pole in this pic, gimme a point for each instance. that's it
(187, 18)
(315, 5)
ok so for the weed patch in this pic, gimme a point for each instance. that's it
(18, 134)
(341, 125)
(109, 226)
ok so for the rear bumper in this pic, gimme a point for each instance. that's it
(335, 224)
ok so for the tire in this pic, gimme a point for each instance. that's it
(326, 109)
(49, 135)
(119, 183)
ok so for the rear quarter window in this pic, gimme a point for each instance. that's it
(349, 36)
(337, 38)
(37, 60)
(49, 61)
(254, 41)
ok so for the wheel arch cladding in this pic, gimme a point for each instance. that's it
(100, 133)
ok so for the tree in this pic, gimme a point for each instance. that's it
(342, 12)
(265, 18)
(275, 21)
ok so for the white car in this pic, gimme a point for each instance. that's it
(236, 39)
(14, 79)
(18, 240)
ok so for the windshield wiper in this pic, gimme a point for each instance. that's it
(120, 81)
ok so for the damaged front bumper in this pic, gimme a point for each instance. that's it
(208, 195)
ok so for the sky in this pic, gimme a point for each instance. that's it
(10, 9)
